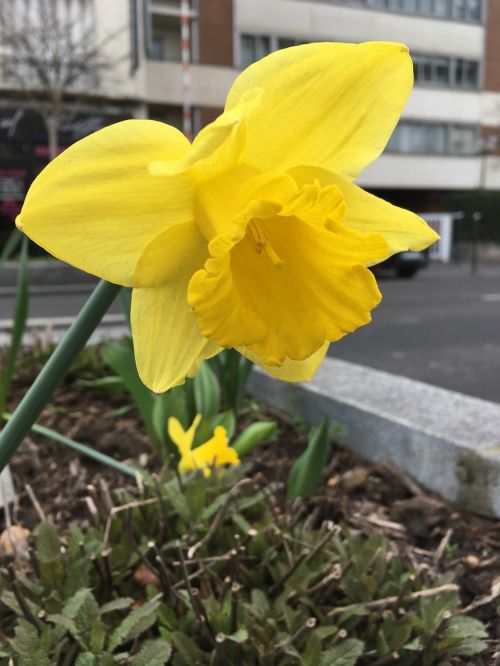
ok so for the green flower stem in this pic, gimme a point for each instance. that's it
(55, 369)
(82, 448)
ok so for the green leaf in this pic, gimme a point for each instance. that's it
(171, 403)
(86, 659)
(153, 653)
(28, 646)
(468, 647)
(463, 636)
(306, 472)
(187, 649)
(233, 370)
(81, 605)
(117, 604)
(464, 627)
(11, 245)
(259, 604)
(255, 434)
(110, 383)
(206, 392)
(67, 624)
(239, 636)
(138, 621)
(20, 319)
(225, 419)
(125, 298)
(432, 610)
(80, 617)
(312, 653)
(346, 653)
(120, 357)
(48, 549)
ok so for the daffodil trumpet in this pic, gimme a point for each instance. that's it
(254, 236)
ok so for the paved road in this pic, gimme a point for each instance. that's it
(442, 327)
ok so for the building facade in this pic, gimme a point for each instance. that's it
(447, 140)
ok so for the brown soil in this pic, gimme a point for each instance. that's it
(426, 530)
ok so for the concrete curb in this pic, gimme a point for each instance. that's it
(447, 441)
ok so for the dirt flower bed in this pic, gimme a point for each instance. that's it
(434, 538)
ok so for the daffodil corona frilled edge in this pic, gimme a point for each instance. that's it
(254, 236)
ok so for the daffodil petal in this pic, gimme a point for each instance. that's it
(177, 434)
(291, 371)
(328, 105)
(183, 439)
(215, 452)
(217, 147)
(96, 206)
(401, 229)
(217, 202)
(166, 258)
(167, 341)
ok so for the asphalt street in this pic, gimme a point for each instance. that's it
(441, 327)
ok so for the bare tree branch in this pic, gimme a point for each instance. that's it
(50, 55)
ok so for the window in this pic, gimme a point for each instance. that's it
(433, 139)
(473, 10)
(165, 39)
(431, 70)
(285, 42)
(425, 139)
(424, 6)
(166, 114)
(460, 10)
(466, 73)
(442, 8)
(446, 72)
(463, 140)
(253, 47)
(441, 71)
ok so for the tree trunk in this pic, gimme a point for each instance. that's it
(52, 124)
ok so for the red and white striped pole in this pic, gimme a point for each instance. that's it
(187, 124)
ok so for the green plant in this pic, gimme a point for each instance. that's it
(233, 371)
(20, 314)
(305, 475)
(215, 395)
(224, 571)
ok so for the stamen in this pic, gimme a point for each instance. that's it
(261, 243)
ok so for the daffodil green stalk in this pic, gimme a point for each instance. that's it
(54, 371)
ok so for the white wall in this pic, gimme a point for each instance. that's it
(209, 84)
(317, 20)
(428, 172)
(113, 31)
(444, 105)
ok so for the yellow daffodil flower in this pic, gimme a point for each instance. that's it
(254, 236)
(214, 453)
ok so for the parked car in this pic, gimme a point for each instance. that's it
(402, 264)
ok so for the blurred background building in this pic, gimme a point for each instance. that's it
(174, 60)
